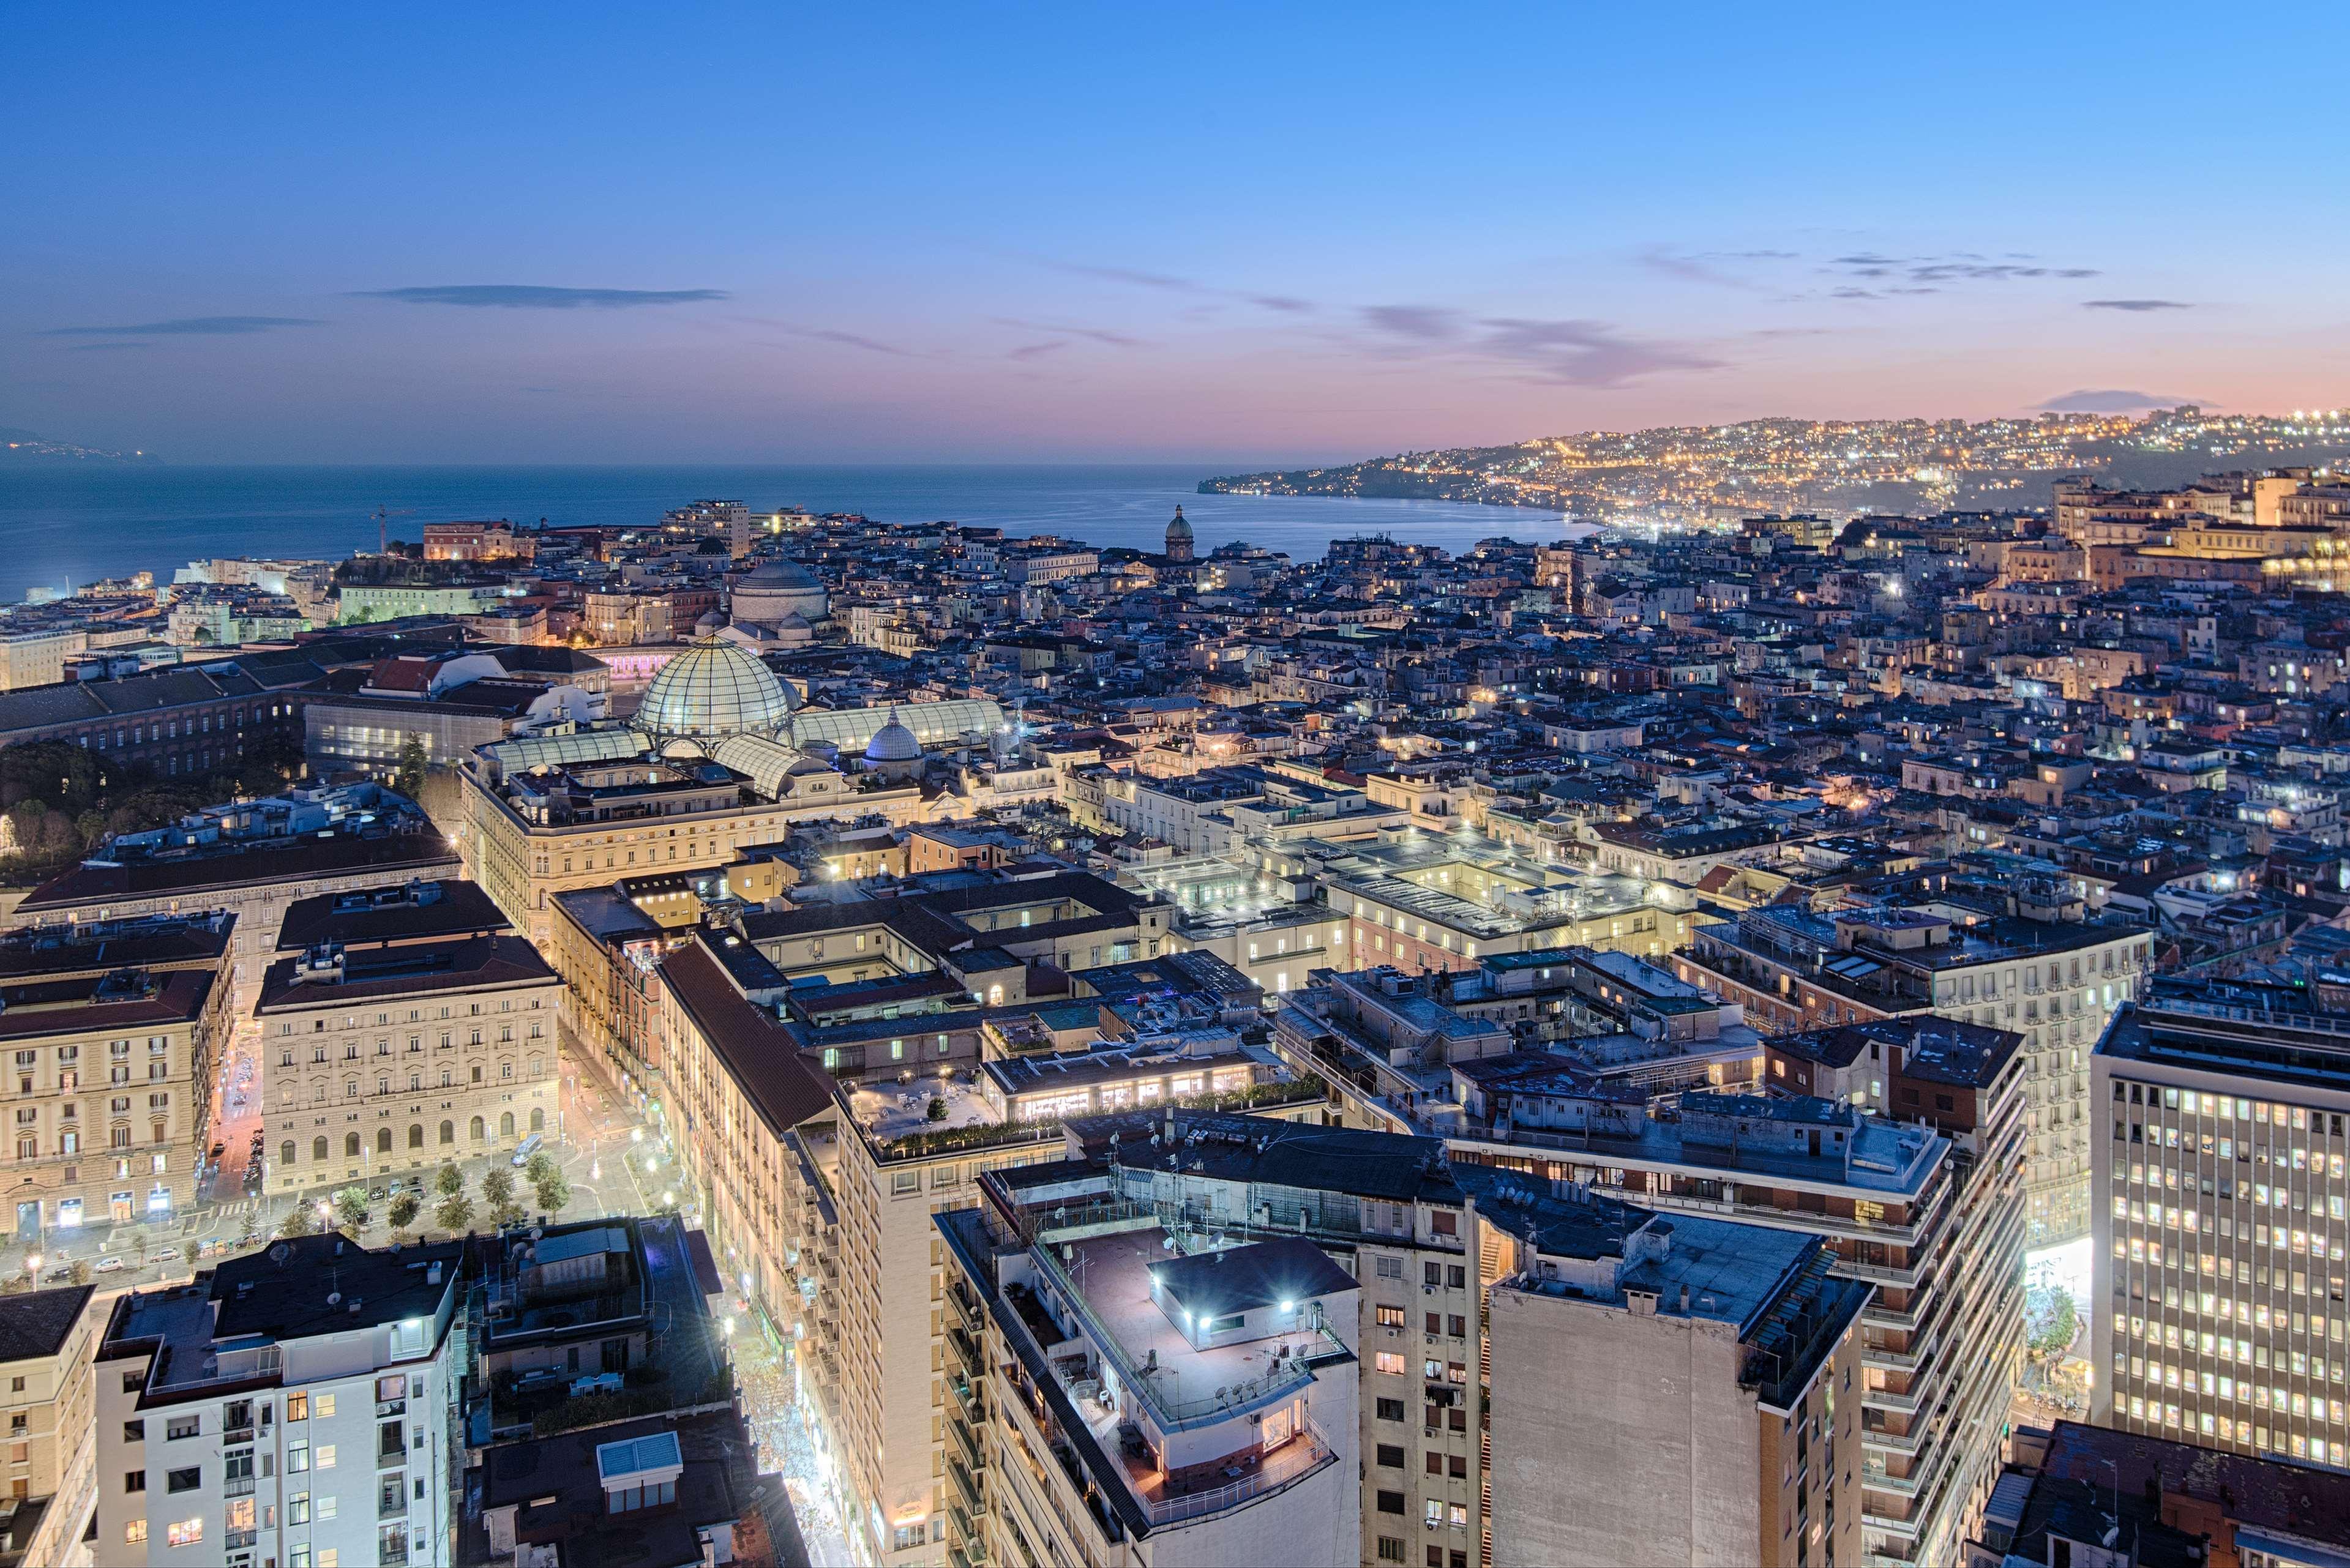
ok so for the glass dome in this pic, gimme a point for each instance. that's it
(714, 688)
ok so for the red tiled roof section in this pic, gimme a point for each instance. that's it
(763, 1056)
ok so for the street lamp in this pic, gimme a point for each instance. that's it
(33, 1264)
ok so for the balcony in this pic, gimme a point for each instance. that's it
(965, 1491)
(235, 1538)
(237, 1486)
(965, 1350)
(959, 1438)
(1304, 1455)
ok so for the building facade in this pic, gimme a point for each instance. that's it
(2221, 1191)
(290, 1406)
(114, 1031)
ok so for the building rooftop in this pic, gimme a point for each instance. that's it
(36, 1324)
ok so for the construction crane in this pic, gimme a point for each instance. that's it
(383, 516)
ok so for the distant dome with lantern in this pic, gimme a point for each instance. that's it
(713, 689)
(893, 743)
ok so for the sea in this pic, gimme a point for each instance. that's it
(61, 526)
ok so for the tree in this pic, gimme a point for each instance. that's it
(498, 1187)
(506, 1214)
(402, 1213)
(552, 1193)
(352, 1210)
(408, 775)
(80, 1273)
(541, 1167)
(190, 1253)
(937, 1111)
(455, 1213)
(449, 1182)
(302, 1220)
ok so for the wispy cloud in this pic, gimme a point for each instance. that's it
(1716, 268)
(1167, 282)
(2136, 305)
(1577, 353)
(850, 339)
(540, 296)
(1566, 352)
(1425, 322)
(1038, 350)
(1959, 267)
(2110, 401)
(1096, 334)
(188, 327)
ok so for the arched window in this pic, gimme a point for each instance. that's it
(448, 1132)
(479, 1130)
(416, 1136)
(286, 1152)
(537, 1119)
(350, 1145)
(505, 1125)
(318, 1149)
(383, 1140)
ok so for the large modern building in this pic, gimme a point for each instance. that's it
(2220, 1197)
(402, 1027)
(114, 1029)
(1667, 1390)
(289, 1407)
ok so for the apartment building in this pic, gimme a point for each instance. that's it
(1122, 1400)
(252, 859)
(2053, 982)
(289, 1407)
(2091, 1495)
(1387, 1208)
(46, 1340)
(402, 1027)
(115, 1031)
(1668, 1390)
(1937, 1340)
(2221, 1231)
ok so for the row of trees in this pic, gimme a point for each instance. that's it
(62, 801)
(454, 1210)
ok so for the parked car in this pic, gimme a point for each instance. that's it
(219, 1149)
(109, 1265)
(163, 1255)
(529, 1147)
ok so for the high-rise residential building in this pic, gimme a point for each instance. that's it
(402, 1027)
(289, 1407)
(1119, 1398)
(1388, 1209)
(45, 1338)
(1937, 1340)
(1667, 1389)
(2219, 1303)
(2053, 982)
(114, 1031)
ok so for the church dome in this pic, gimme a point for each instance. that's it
(893, 743)
(777, 589)
(1178, 538)
(714, 688)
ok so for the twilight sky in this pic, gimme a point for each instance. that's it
(1236, 235)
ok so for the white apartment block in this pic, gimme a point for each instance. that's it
(289, 1409)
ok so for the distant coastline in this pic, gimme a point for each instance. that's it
(76, 522)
